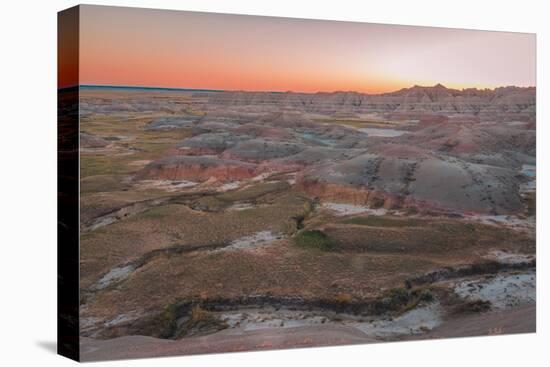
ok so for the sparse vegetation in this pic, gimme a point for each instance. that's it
(344, 298)
(382, 221)
(200, 321)
(180, 319)
(296, 222)
(166, 323)
(400, 300)
(352, 264)
(472, 306)
(313, 239)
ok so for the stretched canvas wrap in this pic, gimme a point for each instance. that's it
(236, 183)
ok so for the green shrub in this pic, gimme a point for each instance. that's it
(200, 321)
(400, 300)
(376, 221)
(314, 239)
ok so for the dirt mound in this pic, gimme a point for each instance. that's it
(209, 143)
(467, 137)
(92, 141)
(262, 131)
(256, 150)
(420, 180)
(196, 168)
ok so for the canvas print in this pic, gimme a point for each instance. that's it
(248, 183)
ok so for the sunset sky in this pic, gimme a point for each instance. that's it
(140, 47)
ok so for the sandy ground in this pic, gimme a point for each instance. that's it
(514, 321)
(224, 341)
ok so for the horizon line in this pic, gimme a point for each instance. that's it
(184, 89)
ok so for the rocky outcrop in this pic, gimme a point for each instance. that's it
(453, 150)
(197, 169)
(422, 181)
(488, 104)
(467, 137)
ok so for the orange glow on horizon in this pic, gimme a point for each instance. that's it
(175, 49)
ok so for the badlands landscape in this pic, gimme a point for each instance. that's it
(218, 221)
